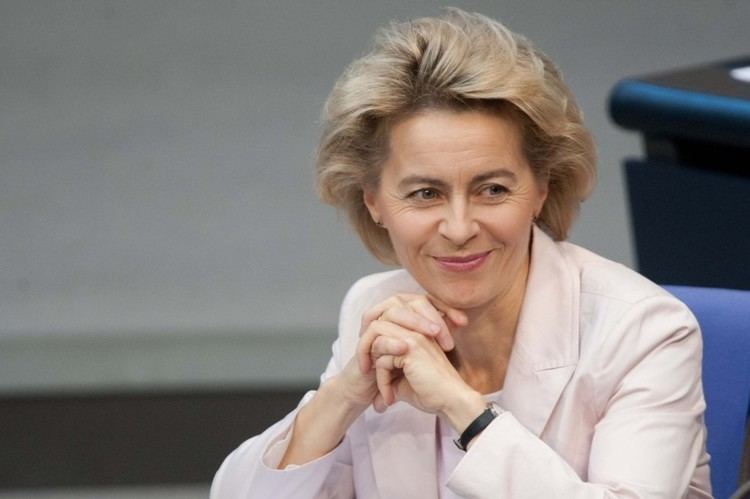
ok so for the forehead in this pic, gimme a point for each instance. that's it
(443, 141)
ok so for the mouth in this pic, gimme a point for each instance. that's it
(462, 263)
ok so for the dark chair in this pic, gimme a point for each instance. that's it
(724, 317)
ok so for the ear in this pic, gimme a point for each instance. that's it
(542, 192)
(370, 199)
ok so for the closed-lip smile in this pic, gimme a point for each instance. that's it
(462, 263)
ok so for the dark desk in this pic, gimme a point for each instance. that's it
(690, 195)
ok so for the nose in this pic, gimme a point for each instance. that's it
(458, 225)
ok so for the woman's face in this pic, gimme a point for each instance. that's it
(458, 198)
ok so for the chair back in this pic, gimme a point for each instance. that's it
(724, 317)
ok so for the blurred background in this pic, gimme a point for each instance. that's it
(169, 283)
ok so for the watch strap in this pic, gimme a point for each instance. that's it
(476, 427)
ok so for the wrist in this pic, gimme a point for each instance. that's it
(320, 425)
(334, 394)
(476, 427)
(464, 409)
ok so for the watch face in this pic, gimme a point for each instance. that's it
(495, 409)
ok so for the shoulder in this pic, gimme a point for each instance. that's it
(635, 339)
(609, 286)
(608, 280)
(621, 311)
(587, 277)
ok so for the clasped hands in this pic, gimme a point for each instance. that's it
(404, 340)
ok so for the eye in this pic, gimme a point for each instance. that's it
(494, 190)
(426, 194)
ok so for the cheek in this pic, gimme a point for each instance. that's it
(410, 231)
(508, 222)
(513, 239)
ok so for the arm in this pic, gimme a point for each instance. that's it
(650, 433)
(251, 471)
(307, 454)
(323, 422)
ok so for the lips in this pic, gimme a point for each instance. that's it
(462, 263)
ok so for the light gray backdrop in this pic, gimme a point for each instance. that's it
(156, 162)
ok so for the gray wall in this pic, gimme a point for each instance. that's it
(156, 157)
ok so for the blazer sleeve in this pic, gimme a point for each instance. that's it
(250, 471)
(650, 435)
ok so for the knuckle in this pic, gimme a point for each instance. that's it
(422, 299)
(421, 340)
(389, 314)
(380, 344)
(375, 327)
(413, 341)
(395, 300)
(364, 320)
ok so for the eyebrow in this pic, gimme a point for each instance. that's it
(482, 177)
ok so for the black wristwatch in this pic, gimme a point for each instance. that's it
(476, 427)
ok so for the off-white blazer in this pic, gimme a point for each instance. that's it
(602, 393)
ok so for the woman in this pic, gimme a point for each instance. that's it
(461, 156)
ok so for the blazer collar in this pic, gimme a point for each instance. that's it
(545, 350)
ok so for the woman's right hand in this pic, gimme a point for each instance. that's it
(355, 388)
(356, 384)
(321, 423)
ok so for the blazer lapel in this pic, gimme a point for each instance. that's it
(545, 350)
(403, 451)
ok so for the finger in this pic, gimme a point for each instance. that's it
(364, 346)
(363, 351)
(390, 362)
(399, 361)
(377, 329)
(383, 363)
(455, 315)
(423, 306)
(405, 316)
(395, 309)
(388, 376)
(378, 403)
(383, 377)
(375, 312)
(371, 315)
(384, 345)
(393, 302)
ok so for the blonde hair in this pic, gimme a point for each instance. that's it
(458, 61)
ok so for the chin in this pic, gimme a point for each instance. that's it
(463, 299)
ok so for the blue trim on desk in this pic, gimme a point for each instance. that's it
(672, 112)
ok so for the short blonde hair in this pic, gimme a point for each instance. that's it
(457, 61)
